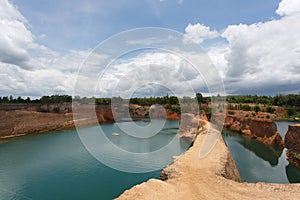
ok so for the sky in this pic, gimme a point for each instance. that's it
(254, 45)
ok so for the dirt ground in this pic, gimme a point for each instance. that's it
(20, 122)
(194, 178)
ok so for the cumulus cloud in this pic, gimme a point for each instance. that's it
(151, 73)
(198, 32)
(15, 38)
(218, 58)
(263, 54)
(8, 11)
(28, 68)
(256, 58)
(288, 7)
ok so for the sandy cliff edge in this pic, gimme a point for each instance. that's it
(214, 177)
(292, 141)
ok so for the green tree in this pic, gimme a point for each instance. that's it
(290, 111)
(256, 108)
(199, 97)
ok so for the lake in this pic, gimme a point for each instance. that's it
(56, 165)
(258, 162)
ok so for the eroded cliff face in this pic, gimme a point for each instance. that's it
(191, 125)
(292, 143)
(263, 130)
(212, 177)
(22, 122)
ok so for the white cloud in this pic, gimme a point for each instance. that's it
(15, 38)
(288, 7)
(256, 58)
(42, 36)
(150, 73)
(27, 67)
(264, 55)
(217, 56)
(198, 32)
(8, 11)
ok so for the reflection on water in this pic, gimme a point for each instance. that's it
(270, 154)
(293, 173)
(283, 126)
(57, 166)
(258, 162)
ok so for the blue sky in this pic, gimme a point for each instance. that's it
(254, 45)
(77, 24)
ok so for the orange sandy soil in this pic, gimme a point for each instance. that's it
(20, 122)
(193, 178)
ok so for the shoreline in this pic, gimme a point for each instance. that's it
(217, 170)
(18, 123)
(213, 177)
(22, 122)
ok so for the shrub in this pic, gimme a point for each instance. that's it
(176, 109)
(230, 112)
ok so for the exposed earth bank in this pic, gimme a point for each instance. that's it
(22, 122)
(15, 122)
(292, 143)
(213, 177)
(263, 130)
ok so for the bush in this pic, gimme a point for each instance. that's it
(176, 109)
(290, 111)
(256, 108)
(246, 107)
(230, 112)
(270, 109)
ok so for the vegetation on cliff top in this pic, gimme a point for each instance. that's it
(290, 102)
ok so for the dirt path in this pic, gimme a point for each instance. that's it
(192, 178)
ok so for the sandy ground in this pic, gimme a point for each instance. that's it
(194, 178)
(19, 122)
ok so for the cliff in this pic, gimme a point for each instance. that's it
(21, 119)
(213, 177)
(292, 141)
(138, 111)
(263, 130)
(22, 122)
(191, 126)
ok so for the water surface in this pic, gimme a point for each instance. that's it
(258, 162)
(57, 166)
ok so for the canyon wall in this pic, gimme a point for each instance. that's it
(292, 143)
(212, 177)
(263, 130)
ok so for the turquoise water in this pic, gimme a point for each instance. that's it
(257, 162)
(57, 166)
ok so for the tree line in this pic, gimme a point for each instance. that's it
(42, 100)
(290, 100)
(278, 100)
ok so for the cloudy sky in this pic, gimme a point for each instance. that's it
(254, 45)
